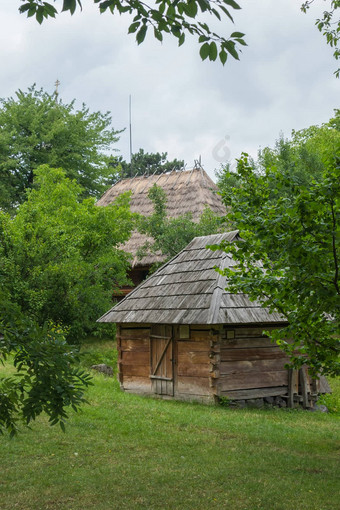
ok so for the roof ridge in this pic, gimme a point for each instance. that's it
(215, 304)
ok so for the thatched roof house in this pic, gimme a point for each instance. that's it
(186, 191)
(181, 334)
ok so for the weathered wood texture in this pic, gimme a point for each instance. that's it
(250, 365)
(161, 359)
(240, 363)
(193, 365)
(134, 359)
(188, 290)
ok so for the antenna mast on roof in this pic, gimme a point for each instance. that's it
(130, 130)
(56, 93)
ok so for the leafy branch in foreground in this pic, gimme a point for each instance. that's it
(291, 226)
(329, 26)
(165, 17)
(47, 378)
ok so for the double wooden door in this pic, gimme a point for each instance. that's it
(162, 359)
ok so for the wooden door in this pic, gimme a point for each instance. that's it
(161, 359)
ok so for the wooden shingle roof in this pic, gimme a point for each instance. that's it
(188, 290)
(188, 191)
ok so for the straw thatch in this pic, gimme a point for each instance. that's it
(187, 191)
(188, 290)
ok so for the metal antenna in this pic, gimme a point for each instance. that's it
(56, 93)
(130, 128)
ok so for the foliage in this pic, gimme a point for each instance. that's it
(171, 235)
(36, 128)
(332, 400)
(95, 351)
(58, 256)
(328, 26)
(289, 217)
(182, 18)
(144, 163)
(164, 17)
(47, 377)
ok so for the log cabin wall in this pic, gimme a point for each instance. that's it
(194, 364)
(134, 358)
(250, 365)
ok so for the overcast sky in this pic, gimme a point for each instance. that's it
(180, 105)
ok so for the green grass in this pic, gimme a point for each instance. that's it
(127, 452)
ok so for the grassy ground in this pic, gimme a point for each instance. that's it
(127, 452)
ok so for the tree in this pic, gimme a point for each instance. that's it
(59, 255)
(36, 129)
(171, 235)
(288, 213)
(177, 19)
(47, 378)
(145, 163)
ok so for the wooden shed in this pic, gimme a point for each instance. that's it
(181, 335)
(187, 191)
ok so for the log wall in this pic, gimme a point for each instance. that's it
(250, 365)
(193, 372)
(239, 363)
(134, 358)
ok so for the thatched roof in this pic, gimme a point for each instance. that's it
(188, 290)
(186, 191)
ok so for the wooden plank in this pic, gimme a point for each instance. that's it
(197, 370)
(140, 370)
(324, 386)
(135, 358)
(193, 357)
(164, 349)
(128, 333)
(251, 332)
(135, 345)
(244, 343)
(251, 354)
(161, 378)
(292, 386)
(161, 359)
(253, 393)
(137, 384)
(199, 335)
(193, 385)
(246, 366)
(185, 346)
(305, 387)
(253, 380)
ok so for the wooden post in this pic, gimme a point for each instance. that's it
(305, 386)
(292, 386)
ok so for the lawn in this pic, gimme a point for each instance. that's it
(128, 452)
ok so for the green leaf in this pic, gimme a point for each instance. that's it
(133, 27)
(237, 35)
(181, 39)
(203, 38)
(223, 56)
(205, 50)
(191, 9)
(204, 5)
(212, 51)
(230, 47)
(69, 5)
(141, 34)
(158, 35)
(232, 4)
